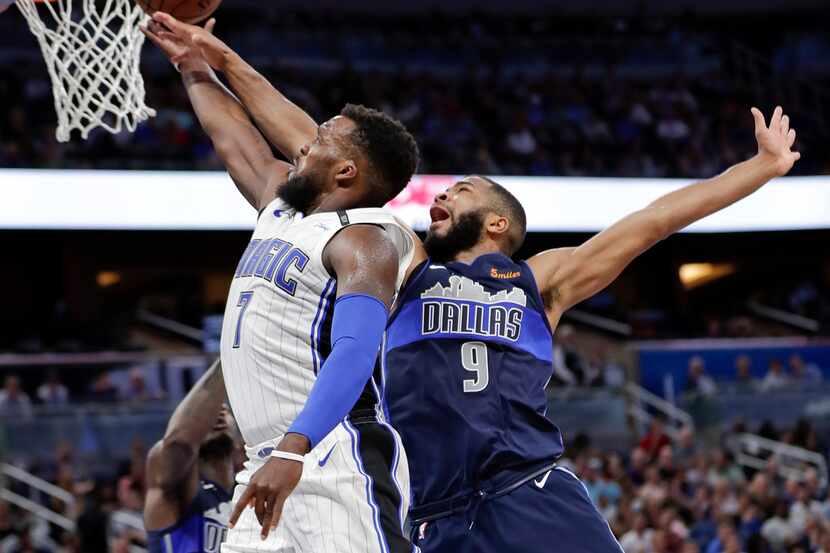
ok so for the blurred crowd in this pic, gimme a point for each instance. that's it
(105, 506)
(665, 495)
(131, 388)
(798, 375)
(495, 97)
(676, 496)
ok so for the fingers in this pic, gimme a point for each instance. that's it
(785, 124)
(260, 508)
(170, 22)
(243, 502)
(760, 122)
(775, 120)
(151, 36)
(272, 516)
(210, 25)
(790, 138)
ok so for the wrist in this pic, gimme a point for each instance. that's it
(767, 163)
(191, 64)
(295, 443)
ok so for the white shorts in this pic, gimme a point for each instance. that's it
(352, 497)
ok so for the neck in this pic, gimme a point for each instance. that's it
(219, 471)
(482, 248)
(337, 200)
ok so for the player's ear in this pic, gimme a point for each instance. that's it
(345, 172)
(497, 224)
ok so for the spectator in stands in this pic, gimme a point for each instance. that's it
(687, 447)
(137, 389)
(52, 391)
(92, 522)
(724, 468)
(656, 437)
(128, 516)
(775, 378)
(699, 383)
(638, 539)
(744, 381)
(13, 400)
(103, 390)
(803, 508)
(639, 462)
(654, 490)
(777, 529)
(23, 542)
(803, 374)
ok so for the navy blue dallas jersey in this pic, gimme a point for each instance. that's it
(201, 528)
(467, 355)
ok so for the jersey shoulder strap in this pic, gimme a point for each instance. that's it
(394, 227)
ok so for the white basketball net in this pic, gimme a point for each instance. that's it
(93, 60)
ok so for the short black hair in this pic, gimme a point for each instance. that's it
(507, 205)
(389, 148)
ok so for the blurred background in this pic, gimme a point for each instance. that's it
(692, 393)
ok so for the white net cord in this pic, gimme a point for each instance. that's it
(93, 61)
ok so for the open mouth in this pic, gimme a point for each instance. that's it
(438, 214)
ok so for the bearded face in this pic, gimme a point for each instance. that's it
(301, 191)
(456, 235)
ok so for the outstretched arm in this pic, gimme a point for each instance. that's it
(365, 263)
(283, 123)
(569, 275)
(172, 463)
(239, 144)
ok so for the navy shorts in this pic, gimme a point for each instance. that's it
(550, 514)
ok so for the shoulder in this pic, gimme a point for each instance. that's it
(361, 239)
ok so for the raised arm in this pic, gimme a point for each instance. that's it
(569, 275)
(172, 464)
(239, 144)
(365, 263)
(283, 123)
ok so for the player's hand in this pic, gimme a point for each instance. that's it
(776, 141)
(177, 49)
(213, 50)
(267, 491)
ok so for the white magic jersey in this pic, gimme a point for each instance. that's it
(275, 330)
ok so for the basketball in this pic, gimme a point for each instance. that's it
(189, 11)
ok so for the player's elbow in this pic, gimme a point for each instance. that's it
(168, 461)
(225, 146)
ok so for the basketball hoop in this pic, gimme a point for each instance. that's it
(92, 54)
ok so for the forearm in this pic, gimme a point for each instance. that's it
(357, 330)
(215, 106)
(680, 208)
(196, 415)
(283, 123)
(237, 142)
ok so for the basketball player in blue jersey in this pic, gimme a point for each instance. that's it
(468, 349)
(468, 354)
(190, 473)
(306, 312)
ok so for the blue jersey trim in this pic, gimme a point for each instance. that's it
(355, 438)
(317, 324)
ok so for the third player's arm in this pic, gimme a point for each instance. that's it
(569, 275)
(172, 463)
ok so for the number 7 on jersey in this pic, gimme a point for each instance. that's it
(244, 301)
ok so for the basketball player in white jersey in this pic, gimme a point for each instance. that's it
(304, 320)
